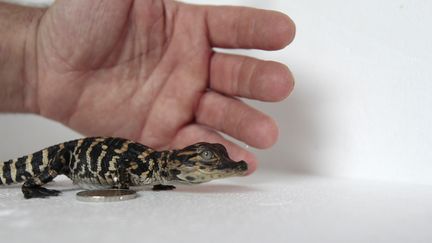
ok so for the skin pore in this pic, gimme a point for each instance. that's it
(146, 70)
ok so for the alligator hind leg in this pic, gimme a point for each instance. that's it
(32, 188)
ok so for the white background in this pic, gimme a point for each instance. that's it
(362, 103)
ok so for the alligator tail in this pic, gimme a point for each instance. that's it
(18, 170)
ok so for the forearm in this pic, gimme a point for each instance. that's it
(17, 66)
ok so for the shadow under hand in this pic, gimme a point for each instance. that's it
(214, 188)
(301, 130)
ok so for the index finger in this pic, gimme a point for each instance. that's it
(248, 28)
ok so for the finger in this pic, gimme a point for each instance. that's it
(241, 27)
(197, 133)
(236, 119)
(250, 78)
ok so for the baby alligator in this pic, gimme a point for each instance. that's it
(99, 162)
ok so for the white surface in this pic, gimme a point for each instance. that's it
(270, 207)
(361, 107)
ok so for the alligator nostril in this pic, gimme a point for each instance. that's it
(242, 165)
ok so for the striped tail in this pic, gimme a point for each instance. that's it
(9, 169)
(19, 170)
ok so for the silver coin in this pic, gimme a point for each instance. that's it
(106, 195)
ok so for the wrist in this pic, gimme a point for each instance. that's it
(18, 67)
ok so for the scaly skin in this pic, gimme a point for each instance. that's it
(108, 162)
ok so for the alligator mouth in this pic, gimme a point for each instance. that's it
(228, 169)
(238, 167)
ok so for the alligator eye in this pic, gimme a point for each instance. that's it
(207, 155)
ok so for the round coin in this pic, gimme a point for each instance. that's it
(106, 195)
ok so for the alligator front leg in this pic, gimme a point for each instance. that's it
(161, 187)
(121, 177)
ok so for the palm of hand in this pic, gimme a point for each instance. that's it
(139, 70)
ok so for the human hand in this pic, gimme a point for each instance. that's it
(145, 70)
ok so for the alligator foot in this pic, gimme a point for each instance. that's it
(161, 187)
